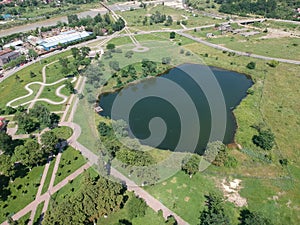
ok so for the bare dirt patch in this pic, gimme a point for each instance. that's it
(231, 192)
(174, 180)
(187, 198)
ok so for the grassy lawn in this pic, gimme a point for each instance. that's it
(49, 92)
(183, 195)
(38, 213)
(63, 132)
(24, 219)
(11, 88)
(35, 88)
(23, 191)
(71, 160)
(48, 177)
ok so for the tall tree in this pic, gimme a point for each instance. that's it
(6, 143)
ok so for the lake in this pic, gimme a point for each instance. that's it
(181, 110)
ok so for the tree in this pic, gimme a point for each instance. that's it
(166, 60)
(65, 67)
(110, 46)
(171, 220)
(49, 141)
(75, 53)
(29, 154)
(251, 65)
(6, 145)
(253, 218)
(214, 211)
(129, 54)
(114, 65)
(72, 19)
(216, 153)
(7, 166)
(172, 35)
(42, 114)
(265, 139)
(191, 165)
(70, 87)
(136, 207)
(104, 129)
(32, 54)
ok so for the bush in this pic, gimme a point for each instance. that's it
(251, 65)
(273, 63)
(265, 139)
(172, 35)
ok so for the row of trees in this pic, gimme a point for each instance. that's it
(99, 25)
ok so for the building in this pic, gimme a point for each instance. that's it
(62, 38)
(7, 55)
(16, 44)
(3, 124)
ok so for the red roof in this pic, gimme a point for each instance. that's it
(5, 51)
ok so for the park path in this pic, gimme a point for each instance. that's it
(131, 186)
(48, 194)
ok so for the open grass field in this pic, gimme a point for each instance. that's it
(284, 47)
(184, 195)
(71, 160)
(23, 191)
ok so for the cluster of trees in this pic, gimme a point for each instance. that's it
(97, 197)
(138, 163)
(27, 153)
(157, 17)
(216, 212)
(283, 9)
(265, 139)
(7, 110)
(80, 60)
(15, 62)
(216, 153)
(99, 25)
(38, 117)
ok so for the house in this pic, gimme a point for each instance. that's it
(3, 124)
(7, 55)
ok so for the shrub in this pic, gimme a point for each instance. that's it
(251, 65)
(265, 139)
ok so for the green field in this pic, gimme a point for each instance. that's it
(70, 161)
(12, 88)
(23, 191)
(287, 47)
